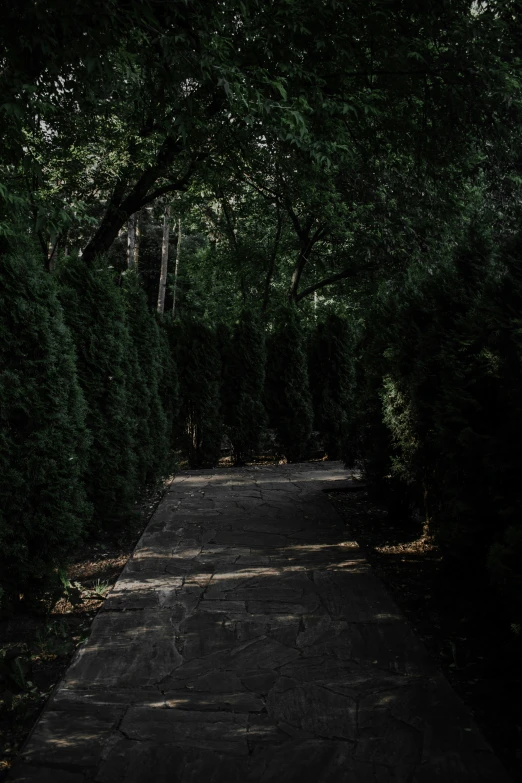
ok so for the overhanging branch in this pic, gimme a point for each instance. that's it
(330, 280)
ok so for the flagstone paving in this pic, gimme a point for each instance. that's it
(247, 640)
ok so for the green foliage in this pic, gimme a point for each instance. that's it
(151, 437)
(446, 363)
(287, 392)
(43, 440)
(95, 313)
(418, 359)
(332, 380)
(200, 422)
(16, 673)
(244, 379)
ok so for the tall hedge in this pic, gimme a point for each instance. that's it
(95, 313)
(44, 443)
(152, 436)
(332, 381)
(224, 349)
(448, 371)
(200, 422)
(287, 391)
(243, 381)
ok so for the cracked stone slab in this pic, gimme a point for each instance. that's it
(222, 731)
(298, 760)
(150, 592)
(315, 709)
(126, 649)
(249, 641)
(26, 773)
(104, 702)
(210, 701)
(227, 607)
(389, 646)
(151, 762)
(70, 739)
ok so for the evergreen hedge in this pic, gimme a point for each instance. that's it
(151, 437)
(43, 439)
(287, 391)
(95, 313)
(200, 424)
(446, 363)
(243, 383)
(332, 381)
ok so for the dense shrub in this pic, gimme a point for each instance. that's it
(332, 381)
(95, 313)
(448, 370)
(151, 437)
(287, 392)
(243, 384)
(224, 348)
(200, 423)
(43, 439)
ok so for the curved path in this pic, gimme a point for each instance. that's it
(248, 641)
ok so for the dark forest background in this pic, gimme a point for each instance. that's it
(260, 228)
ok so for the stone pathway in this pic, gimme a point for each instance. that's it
(248, 641)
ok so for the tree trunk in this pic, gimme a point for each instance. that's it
(164, 260)
(131, 241)
(307, 241)
(302, 258)
(176, 268)
(271, 267)
(137, 242)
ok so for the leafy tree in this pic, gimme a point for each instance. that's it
(95, 313)
(199, 382)
(287, 394)
(44, 444)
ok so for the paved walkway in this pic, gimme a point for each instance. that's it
(248, 641)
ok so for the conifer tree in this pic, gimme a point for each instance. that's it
(95, 313)
(200, 405)
(244, 380)
(332, 379)
(43, 440)
(224, 347)
(287, 391)
(151, 436)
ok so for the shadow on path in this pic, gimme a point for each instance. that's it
(248, 640)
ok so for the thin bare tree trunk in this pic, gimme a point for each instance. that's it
(137, 242)
(164, 260)
(131, 241)
(176, 268)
